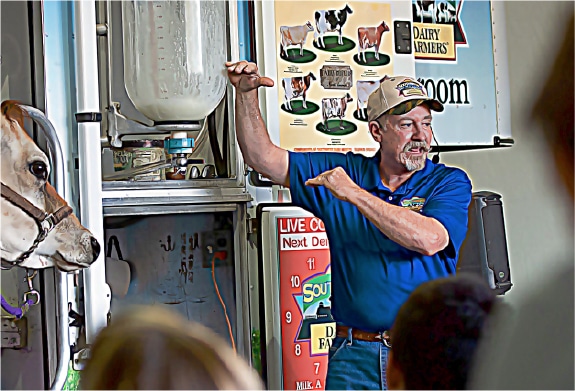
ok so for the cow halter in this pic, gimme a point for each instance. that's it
(45, 222)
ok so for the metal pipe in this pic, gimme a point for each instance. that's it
(57, 158)
(97, 293)
(53, 145)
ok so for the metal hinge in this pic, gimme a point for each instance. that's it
(14, 332)
(252, 231)
(252, 225)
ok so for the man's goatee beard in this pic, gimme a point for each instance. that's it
(411, 163)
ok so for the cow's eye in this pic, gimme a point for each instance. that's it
(39, 170)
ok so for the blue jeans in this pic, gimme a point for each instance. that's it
(356, 365)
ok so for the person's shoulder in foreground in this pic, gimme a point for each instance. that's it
(531, 346)
(534, 348)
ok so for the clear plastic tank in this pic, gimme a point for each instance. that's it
(174, 54)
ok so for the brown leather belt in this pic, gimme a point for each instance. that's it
(383, 337)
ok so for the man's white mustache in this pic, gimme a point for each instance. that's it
(417, 144)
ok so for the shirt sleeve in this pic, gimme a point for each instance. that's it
(449, 205)
(304, 166)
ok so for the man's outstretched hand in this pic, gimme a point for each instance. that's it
(245, 77)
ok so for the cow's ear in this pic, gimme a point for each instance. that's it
(376, 131)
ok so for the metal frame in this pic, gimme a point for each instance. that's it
(61, 277)
(162, 209)
(54, 91)
(501, 69)
(175, 196)
(39, 101)
(270, 277)
(243, 344)
(96, 291)
(267, 58)
(272, 325)
(26, 77)
(108, 44)
(101, 199)
(243, 330)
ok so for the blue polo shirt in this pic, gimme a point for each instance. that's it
(371, 274)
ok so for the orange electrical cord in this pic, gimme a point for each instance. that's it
(223, 304)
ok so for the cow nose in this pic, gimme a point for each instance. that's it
(95, 247)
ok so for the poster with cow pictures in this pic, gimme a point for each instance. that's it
(330, 56)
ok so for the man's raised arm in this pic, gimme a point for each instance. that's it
(257, 148)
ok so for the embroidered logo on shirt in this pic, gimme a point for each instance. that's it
(414, 203)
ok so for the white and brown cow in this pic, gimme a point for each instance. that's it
(294, 36)
(364, 89)
(294, 87)
(370, 37)
(425, 9)
(334, 107)
(328, 21)
(446, 13)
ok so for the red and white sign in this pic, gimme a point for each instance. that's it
(307, 327)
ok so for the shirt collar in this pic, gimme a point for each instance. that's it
(372, 180)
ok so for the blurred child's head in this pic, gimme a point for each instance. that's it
(436, 332)
(156, 348)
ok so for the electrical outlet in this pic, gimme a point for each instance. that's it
(217, 245)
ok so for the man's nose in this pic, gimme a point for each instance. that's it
(418, 132)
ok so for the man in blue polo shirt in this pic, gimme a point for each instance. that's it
(393, 220)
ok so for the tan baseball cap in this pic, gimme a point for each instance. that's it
(395, 90)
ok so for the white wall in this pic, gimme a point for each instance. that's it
(538, 217)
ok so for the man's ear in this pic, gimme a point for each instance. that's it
(375, 130)
(394, 374)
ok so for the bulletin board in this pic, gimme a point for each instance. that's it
(322, 79)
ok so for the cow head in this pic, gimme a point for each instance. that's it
(383, 26)
(309, 26)
(347, 9)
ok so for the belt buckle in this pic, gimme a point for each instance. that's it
(385, 338)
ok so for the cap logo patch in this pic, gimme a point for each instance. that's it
(410, 87)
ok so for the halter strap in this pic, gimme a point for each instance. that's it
(45, 222)
(21, 202)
